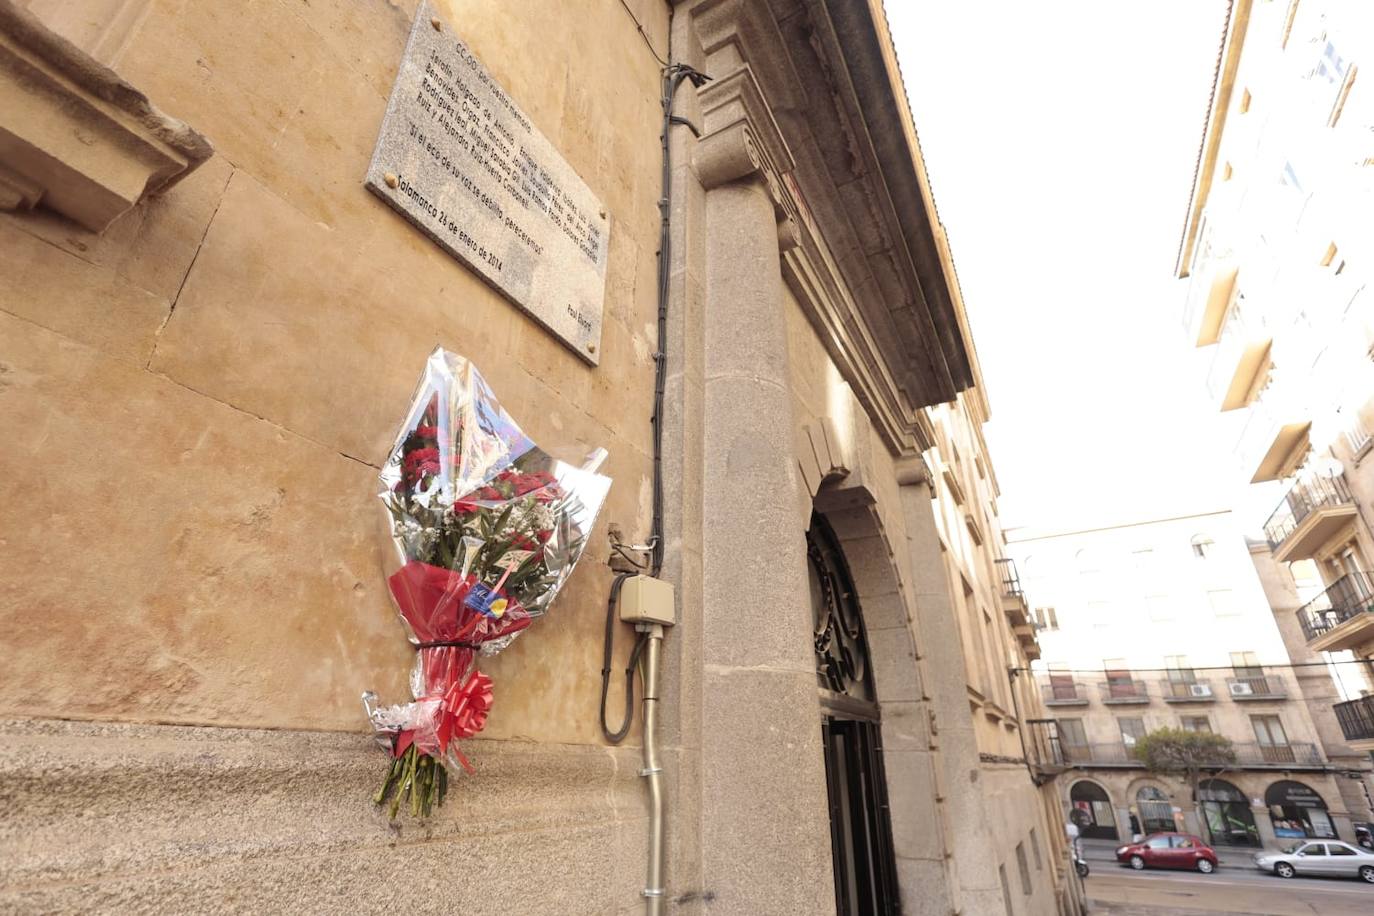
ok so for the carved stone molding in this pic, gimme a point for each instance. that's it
(75, 137)
(741, 138)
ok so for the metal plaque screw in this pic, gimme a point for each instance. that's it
(391, 181)
(591, 348)
(438, 26)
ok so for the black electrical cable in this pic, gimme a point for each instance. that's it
(672, 78)
(608, 649)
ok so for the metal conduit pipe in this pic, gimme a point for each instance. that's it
(653, 891)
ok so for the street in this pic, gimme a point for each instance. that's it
(1117, 891)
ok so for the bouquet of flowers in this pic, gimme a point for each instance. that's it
(486, 527)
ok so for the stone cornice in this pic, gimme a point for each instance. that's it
(862, 248)
(75, 137)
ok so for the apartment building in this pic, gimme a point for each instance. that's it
(1163, 623)
(1277, 251)
(989, 619)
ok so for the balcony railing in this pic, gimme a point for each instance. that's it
(1301, 500)
(1114, 692)
(1011, 580)
(1074, 694)
(1257, 687)
(1348, 597)
(1187, 691)
(1120, 754)
(1300, 754)
(1115, 754)
(1356, 718)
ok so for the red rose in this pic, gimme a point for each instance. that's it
(421, 462)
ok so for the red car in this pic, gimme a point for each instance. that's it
(1169, 850)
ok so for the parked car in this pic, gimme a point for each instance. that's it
(1169, 850)
(1318, 857)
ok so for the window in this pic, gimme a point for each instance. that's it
(1202, 546)
(1006, 888)
(1337, 850)
(1024, 868)
(1223, 602)
(1179, 670)
(1132, 730)
(1159, 842)
(1313, 849)
(1246, 665)
(1183, 842)
(1269, 731)
(1289, 177)
(1047, 618)
(1071, 733)
(1119, 680)
(1196, 724)
(1035, 850)
(1159, 607)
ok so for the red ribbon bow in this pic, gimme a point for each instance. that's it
(466, 707)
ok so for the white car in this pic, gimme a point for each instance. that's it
(1318, 857)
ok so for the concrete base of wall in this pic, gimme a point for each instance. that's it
(135, 818)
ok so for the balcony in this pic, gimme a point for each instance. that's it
(1116, 754)
(1276, 435)
(1280, 756)
(1248, 756)
(1187, 691)
(1312, 512)
(1239, 361)
(1357, 722)
(1074, 694)
(1121, 693)
(1257, 687)
(1342, 617)
(1013, 598)
(1208, 296)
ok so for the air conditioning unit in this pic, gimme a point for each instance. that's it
(1200, 690)
(1242, 689)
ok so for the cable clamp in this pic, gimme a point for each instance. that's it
(652, 892)
(650, 771)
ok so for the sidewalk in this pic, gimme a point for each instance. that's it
(1104, 852)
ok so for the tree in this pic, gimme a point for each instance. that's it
(1188, 754)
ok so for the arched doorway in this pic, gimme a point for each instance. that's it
(1226, 812)
(1091, 811)
(860, 828)
(1156, 813)
(1297, 811)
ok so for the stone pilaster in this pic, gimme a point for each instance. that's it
(765, 843)
(977, 889)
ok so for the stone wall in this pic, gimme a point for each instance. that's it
(196, 403)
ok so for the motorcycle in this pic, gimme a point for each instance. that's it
(1080, 864)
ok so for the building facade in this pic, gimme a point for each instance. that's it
(210, 330)
(1163, 623)
(1276, 250)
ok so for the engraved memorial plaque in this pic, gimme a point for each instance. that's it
(459, 159)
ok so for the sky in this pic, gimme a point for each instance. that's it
(1060, 139)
